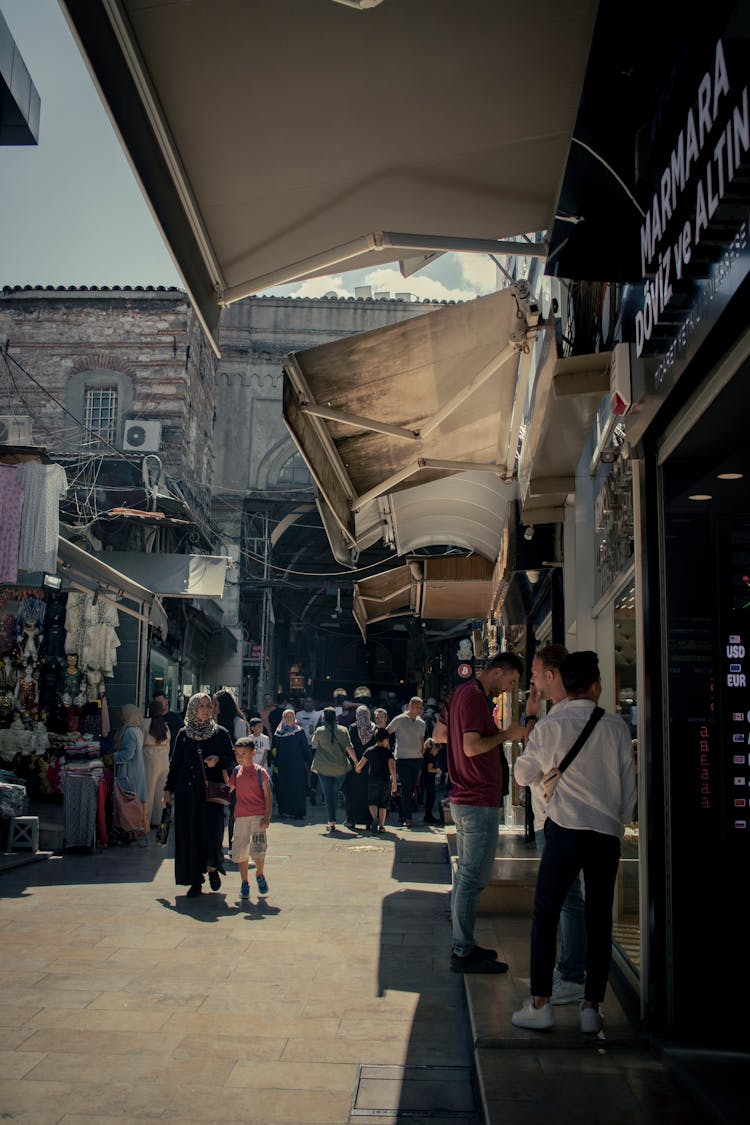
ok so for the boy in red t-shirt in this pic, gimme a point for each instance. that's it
(252, 814)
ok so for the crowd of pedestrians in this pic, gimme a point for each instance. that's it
(218, 767)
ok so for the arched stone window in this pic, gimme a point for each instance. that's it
(282, 467)
(100, 399)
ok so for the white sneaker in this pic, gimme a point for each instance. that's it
(565, 991)
(592, 1020)
(535, 1019)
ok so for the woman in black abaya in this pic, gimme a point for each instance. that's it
(202, 749)
(291, 757)
(362, 734)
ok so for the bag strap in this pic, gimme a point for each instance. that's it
(593, 719)
(200, 759)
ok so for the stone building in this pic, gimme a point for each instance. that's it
(117, 386)
(170, 452)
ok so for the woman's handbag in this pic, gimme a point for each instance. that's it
(162, 832)
(217, 792)
(130, 813)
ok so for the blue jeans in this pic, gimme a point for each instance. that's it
(330, 787)
(572, 963)
(407, 771)
(476, 841)
(566, 852)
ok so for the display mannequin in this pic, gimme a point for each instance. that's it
(26, 689)
(72, 677)
(8, 674)
(94, 684)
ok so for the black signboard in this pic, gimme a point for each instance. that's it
(734, 695)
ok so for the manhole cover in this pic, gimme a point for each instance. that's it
(438, 1092)
(360, 848)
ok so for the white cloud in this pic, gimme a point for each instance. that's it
(452, 277)
(479, 272)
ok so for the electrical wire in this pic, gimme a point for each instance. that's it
(203, 524)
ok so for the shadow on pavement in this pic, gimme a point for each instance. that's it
(437, 1076)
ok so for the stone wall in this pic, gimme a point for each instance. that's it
(148, 341)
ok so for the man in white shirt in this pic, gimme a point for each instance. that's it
(586, 818)
(570, 971)
(309, 719)
(409, 731)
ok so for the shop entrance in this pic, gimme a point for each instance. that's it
(705, 573)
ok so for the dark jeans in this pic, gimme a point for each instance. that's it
(428, 782)
(408, 770)
(566, 852)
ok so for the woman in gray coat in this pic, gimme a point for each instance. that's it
(130, 777)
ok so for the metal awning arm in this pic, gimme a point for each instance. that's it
(385, 485)
(388, 597)
(357, 420)
(463, 467)
(489, 369)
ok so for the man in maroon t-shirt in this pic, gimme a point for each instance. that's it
(479, 777)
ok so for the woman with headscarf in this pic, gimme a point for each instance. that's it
(362, 735)
(291, 757)
(332, 748)
(130, 815)
(202, 751)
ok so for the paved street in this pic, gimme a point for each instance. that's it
(122, 1001)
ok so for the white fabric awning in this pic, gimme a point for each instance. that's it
(82, 569)
(437, 589)
(174, 576)
(383, 411)
(279, 139)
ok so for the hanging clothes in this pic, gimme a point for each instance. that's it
(43, 488)
(11, 501)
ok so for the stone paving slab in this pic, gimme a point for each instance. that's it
(124, 1001)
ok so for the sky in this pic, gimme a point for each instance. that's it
(71, 210)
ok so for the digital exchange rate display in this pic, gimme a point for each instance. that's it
(734, 574)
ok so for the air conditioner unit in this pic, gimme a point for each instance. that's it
(15, 429)
(141, 437)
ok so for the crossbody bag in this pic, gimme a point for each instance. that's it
(551, 777)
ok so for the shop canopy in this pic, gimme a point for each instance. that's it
(283, 139)
(175, 576)
(468, 510)
(84, 571)
(437, 589)
(380, 412)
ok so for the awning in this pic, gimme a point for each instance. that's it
(404, 405)
(84, 570)
(567, 393)
(436, 589)
(280, 139)
(174, 576)
(468, 510)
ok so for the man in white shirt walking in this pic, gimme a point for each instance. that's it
(309, 719)
(586, 815)
(409, 731)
